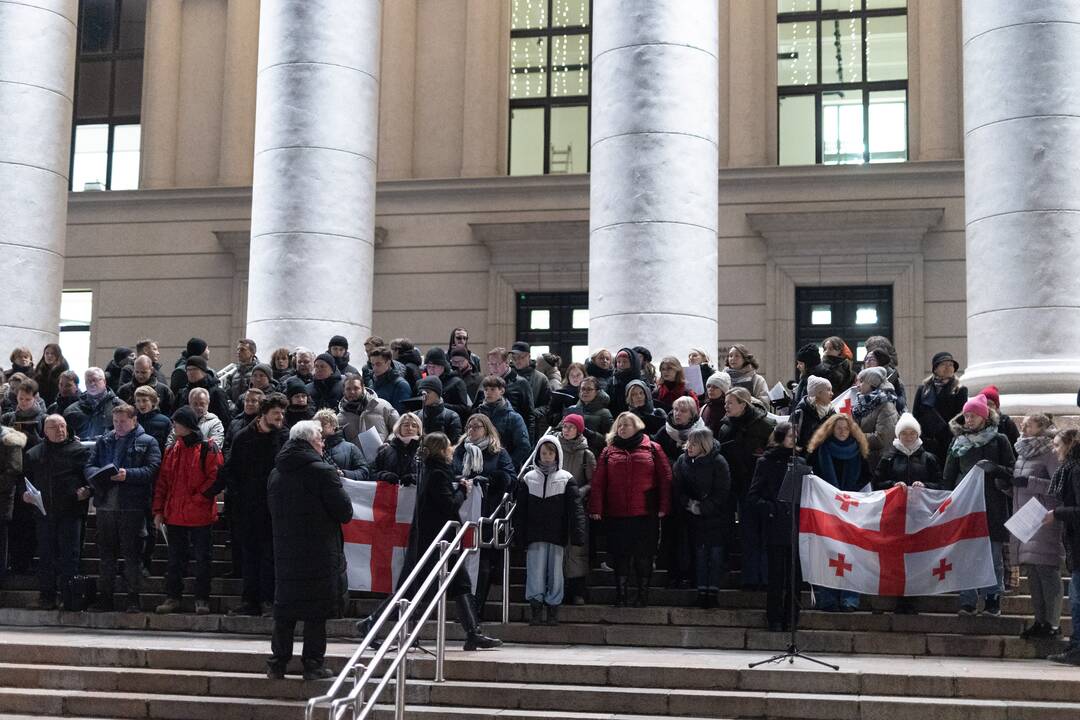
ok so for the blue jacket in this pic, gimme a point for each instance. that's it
(392, 388)
(139, 454)
(512, 431)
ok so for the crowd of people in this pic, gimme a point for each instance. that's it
(616, 463)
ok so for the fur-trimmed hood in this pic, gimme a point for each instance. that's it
(956, 425)
(10, 437)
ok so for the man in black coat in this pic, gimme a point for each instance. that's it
(142, 374)
(327, 387)
(247, 470)
(199, 375)
(308, 506)
(437, 417)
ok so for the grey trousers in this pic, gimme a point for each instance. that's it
(1045, 581)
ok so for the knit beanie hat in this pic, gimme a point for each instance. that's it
(577, 421)
(720, 380)
(120, 354)
(196, 346)
(295, 386)
(990, 392)
(197, 361)
(328, 359)
(809, 355)
(186, 416)
(437, 356)
(978, 406)
(943, 357)
(338, 341)
(875, 376)
(907, 421)
(431, 383)
(643, 352)
(264, 369)
(815, 384)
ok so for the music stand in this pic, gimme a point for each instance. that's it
(791, 493)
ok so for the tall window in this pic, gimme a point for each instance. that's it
(842, 81)
(852, 313)
(76, 310)
(108, 95)
(549, 86)
(555, 322)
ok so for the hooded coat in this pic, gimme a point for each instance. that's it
(549, 509)
(653, 417)
(369, 411)
(308, 505)
(621, 379)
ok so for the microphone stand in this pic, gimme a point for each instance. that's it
(791, 492)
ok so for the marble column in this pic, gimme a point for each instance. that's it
(1022, 200)
(160, 94)
(653, 187)
(37, 79)
(313, 196)
(939, 80)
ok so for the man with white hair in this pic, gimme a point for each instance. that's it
(308, 506)
(305, 365)
(210, 425)
(91, 416)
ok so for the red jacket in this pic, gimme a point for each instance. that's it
(624, 480)
(185, 478)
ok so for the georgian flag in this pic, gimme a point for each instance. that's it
(378, 534)
(900, 541)
(843, 402)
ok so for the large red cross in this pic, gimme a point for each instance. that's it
(840, 565)
(846, 407)
(846, 501)
(941, 569)
(383, 533)
(891, 541)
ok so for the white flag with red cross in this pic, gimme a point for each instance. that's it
(900, 541)
(378, 535)
(471, 511)
(842, 403)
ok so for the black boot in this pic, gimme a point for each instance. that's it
(536, 608)
(474, 640)
(620, 590)
(644, 576)
(552, 615)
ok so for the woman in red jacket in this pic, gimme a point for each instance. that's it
(184, 502)
(631, 489)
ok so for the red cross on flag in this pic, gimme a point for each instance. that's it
(378, 534)
(900, 541)
(842, 403)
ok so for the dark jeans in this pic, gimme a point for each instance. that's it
(281, 642)
(710, 566)
(257, 543)
(58, 540)
(676, 548)
(780, 596)
(119, 532)
(236, 547)
(184, 542)
(149, 540)
(3, 546)
(632, 545)
(22, 537)
(753, 530)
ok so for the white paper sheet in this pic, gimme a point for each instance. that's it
(369, 442)
(1026, 521)
(694, 381)
(778, 392)
(35, 494)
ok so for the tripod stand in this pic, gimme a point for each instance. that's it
(791, 493)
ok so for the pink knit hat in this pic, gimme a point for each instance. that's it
(978, 406)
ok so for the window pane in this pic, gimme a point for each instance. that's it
(841, 50)
(788, 6)
(579, 353)
(540, 320)
(76, 307)
(842, 127)
(93, 98)
(841, 5)
(884, 4)
(91, 156)
(866, 315)
(128, 99)
(569, 140)
(570, 13)
(132, 24)
(527, 141)
(796, 53)
(96, 28)
(888, 126)
(580, 319)
(568, 51)
(125, 160)
(528, 60)
(821, 315)
(798, 130)
(538, 350)
(886, 48)
(528, 14)
(860, 352)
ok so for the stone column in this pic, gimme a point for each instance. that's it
(939, 80)
(238, 101)
(653, 189)
(313, 196)
(1022, 199)
(37, 79)
(160, 94)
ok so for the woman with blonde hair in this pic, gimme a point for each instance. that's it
(672, 385)
(396, 461)
(838, 453)
(631, 488)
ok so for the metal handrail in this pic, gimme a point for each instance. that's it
(362, 673)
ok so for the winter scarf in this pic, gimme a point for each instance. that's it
(1071, 465)
(741, 376)
(832, 449)
(681, 433)
(934, 388)
(970, 440)
(474, 457)
(547, 468)
(866, 404)
(629, 443)
(1029, 447)
(909, 451)
(822, 410)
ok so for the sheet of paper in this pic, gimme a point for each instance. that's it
(370, 442)
(694, 381)
(778, 392)
(1026, 521)
(164, 534)
(36, 495)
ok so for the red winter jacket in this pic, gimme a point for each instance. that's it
(631, 483)
(182, 484)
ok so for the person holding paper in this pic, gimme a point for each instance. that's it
(1065, 486)
(1041, 556)
(361, 409)
(672, 385)
(55, 468)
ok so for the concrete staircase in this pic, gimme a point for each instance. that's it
(667, 660)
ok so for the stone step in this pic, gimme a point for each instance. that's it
(90, 551)
(86, 703)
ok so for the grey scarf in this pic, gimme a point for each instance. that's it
(474, 457)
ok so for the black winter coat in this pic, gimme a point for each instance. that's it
(345, 456)
(440, 418)
(326, 393)
(30, 423)
(705, 481)
(743, 440)
(837, 371)
(438, 499)
(90, 418)
(157, 425)
(497, 478)
(1069, 510)
(999, 452)
(247, 470)
(396, 463)
(56, 470)
(765, 492)
(549, 510)
(620, 379)
(219, 399)
(165, 395)
(934, 416)
(308, 506)
(12, 448)
(805, 417)
(896, 467)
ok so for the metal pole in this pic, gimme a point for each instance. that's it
(506, 585)
(403, 638)
(440, 629)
